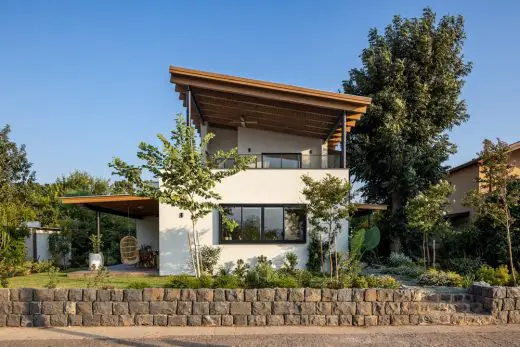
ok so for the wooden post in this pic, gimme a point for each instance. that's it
(344, 141)
(98, 229)
(188, 105)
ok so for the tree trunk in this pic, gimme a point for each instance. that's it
(321, 254)
(433, 248)
(428, 252)
(424, 250)
(330, 254)
(197, 260)
(336, 258)
(397, 205)
(510, 251)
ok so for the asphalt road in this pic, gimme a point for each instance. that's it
(268, 336)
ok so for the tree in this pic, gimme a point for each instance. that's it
(414, 73)
(493, 198)
(327, 207)
(427, 211)
(188, 178)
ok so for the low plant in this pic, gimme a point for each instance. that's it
(226, 281)
(383, 281)
(412, 270)
(206, 281)
(304, 278)
(359, 282)
(209, 258)
(399, 259)
(183, 281)
(41, 266)
(96, 243)
(240, 270)
(434, 277)
(138, 285)
(53, 278)
(285, 281)
(464, 265)
(290, 262)
(98, 278)
(467, 280)
(495, 277)
(262, 275)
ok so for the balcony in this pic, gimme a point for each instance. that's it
(288, 161)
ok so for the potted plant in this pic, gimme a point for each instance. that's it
(95, 259)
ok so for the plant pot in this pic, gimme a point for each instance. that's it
(95, 261)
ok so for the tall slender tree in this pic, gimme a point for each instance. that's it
(414, 72)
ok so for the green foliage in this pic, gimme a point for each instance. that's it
(183, 281)
(359, 282)
(414, 72)
(411, 271)
(139, 285)
(383, 281)
(240, 270)
(397, 259)
(465, 265)
(304, 278)
(226, 281)
(53, 277)
(96, 243)
(285, 281)
(372, 238)
(262, 275)
(60, 246)
(434, 277)
(209, 258)
(290, 263)
(314, 252)
(98, 278)
(206, 281)
(495, 277)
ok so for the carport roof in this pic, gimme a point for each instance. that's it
(131, 206)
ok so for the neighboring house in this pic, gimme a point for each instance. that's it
(37, 243)
(465, 178)
(290, 131)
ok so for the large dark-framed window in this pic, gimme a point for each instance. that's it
(281, 160)
(264, 223)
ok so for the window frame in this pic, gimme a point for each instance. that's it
(303, 240)
(281, 154)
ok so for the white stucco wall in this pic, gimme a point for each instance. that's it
(225, 139)
(262, 186)
(147, 231)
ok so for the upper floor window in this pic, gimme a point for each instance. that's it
(281, 160)
(264, 224)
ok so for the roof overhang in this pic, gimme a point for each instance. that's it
(223, 100)
(366, 209)
(477, 161)
(131, 206)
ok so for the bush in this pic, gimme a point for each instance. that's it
(290, 263)
(209, 257)
(226, 281)
(399, 259)
(434, 277)
(412, 271)
(41, 266)
(383, 281)
(261, 276)
(240, 270)
(495, 277)
(465, 265)
(304, 278)
(359, 282)
(285, 281)
(206, 281)
(53, 278)
(183, 281)
(138, 285)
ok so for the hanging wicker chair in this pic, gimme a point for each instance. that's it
(129, 250)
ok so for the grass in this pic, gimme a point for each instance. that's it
(39, 281)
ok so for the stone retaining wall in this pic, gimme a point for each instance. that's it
(502, 302)
(251, 307)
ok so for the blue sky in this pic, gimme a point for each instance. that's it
(81, 82)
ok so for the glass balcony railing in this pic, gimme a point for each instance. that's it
(287, 161)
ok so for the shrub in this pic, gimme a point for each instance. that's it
(304, 278)
(412, 270)
(183, 281)
(261, 276)
(290, 262)
(138, 285)
(241, 269)
(399, 259)
(53, 278)
(262, 259)
(319, 282)
(285, 281)
(209, 258)
(226, 281)
(464, 265)
(359, 282)
(495, 277)
(98, 278)
(383, 281)
(434, 277)
(41, 266)
(206, 281)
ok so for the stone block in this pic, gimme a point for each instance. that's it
(28, 321)
(513, 292)
(188, 294)
(21, 307)
(296, 294)
(226, 320)
(200, 308)
(172, 294)
(432, 297)
(3, 320)
(144, 319)
(358, 321)
(103, 295)
(219, 294)
(458, 297)
(184, 307)
(43, 294)
(344, 308)
(53, 307)
(75, 320)
(132, 295)
(116, 295)
(307, 307)
(498, 292)
(120, 308)
(514, 317)
(292, 319)
(446, 298)
(70, 307)
(518, 303)
(5, 294)
(364, 308)
(402, 295)
(91, 320)
(75, 294)
(417, 294)
(250, 295)
(153, 294)
(219, 307)
(385, 295)
(508, 304)
(281, 294)
(42, 320)
(101, 307)
(371, 294)
(139, 307)
(344, 294)
(59, 320)
(502, 317)
(304, 320)
(160, 320)
(211, 320)
(89, 294)
(318, 320)
(177, 320)
(312, 294)
(329, 294)
(383, 320)
(261, 307)
(345, 320)
(240, 320)
(256, 320)
(284, 307)
(162, 307)
(323, 308)
(61, 294)
(5, 307)
(204, 294)
(25, 294)
(275, 320)
(400, 319)
(194, 320)
(126, 320)
(358, 295)
(35, 307)
(378, 308)
(332, 320)
(240, 308)
(371, 321)
(109, 320)
(234, 295)
(393, 308)
(413, 308)
(265, 294)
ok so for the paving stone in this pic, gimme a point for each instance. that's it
(256, 320)
(312, 294)
(277, 319)
(265, 294)
(177, 320)
(332, 320)
(220, 307)
(91, 320)
(75, 320)
(234, 294)
(53, 307)
(163, 307)
(90, 294)
(20, 307)
(172, 294)
(43, 294)
(211, 320)
(160, 320)
(358, 321)
(188, 295)
(184, 307)
(27, 321)
(103, 295)
(364, 308)
(102, 307)
(132, 295)
(240, 320)
(371, 294)
(116, 295)
(281, 294)
(292, 319)
(153, 294)
(200, 308)
(120, 308)
(329, 294)
(126, 320)
(323, 308)
(139, 307)
(61, 294)
(75, 294)
(345, 320)
(240, 308)
(318, 320)
(204, 294)
(109, 320)
(262, 307)
(250, 295)
(296, 294)
(306, 307)
(144, 319)
(344, 294)
(226, 320)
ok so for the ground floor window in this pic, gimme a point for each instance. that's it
(264, 224)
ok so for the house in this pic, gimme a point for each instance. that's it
(465, 178)
(289, 131)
